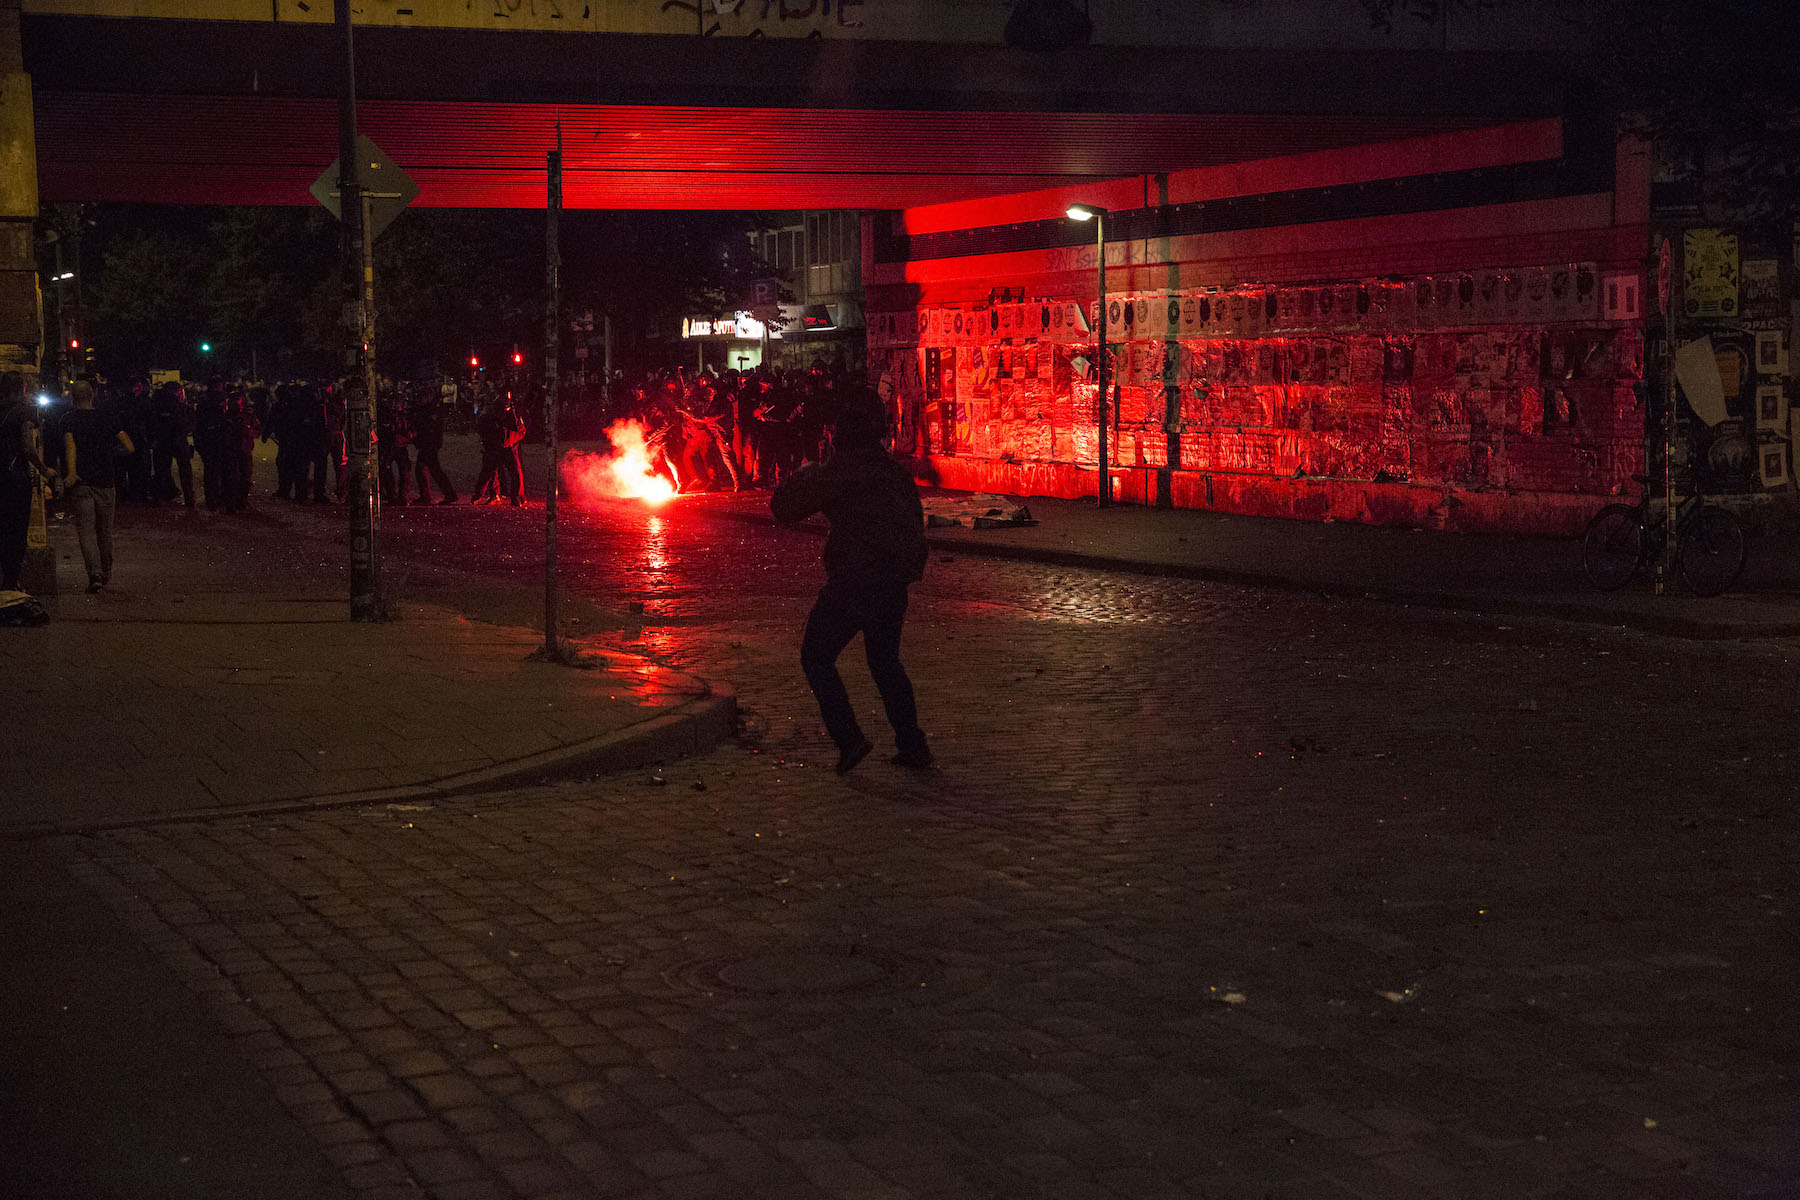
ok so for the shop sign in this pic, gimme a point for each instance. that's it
(743, 328)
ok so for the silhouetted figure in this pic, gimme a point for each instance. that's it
(21, 467)
(392, 436)
(93, 444)
(426, 415)
(500, 429)
(307, 425)
(212, 438)
(172, 425)
(876, 551)
(241, 426)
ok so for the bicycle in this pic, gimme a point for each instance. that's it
(1624, 539)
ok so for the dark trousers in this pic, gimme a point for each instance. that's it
(15, 526)
(488, 482)
(226, 476)
(428, 464)
(167, 458)
(309, 464)
(877, 611)
(213, 475)
(134, 470)
(243, 473)
(512, 474)
(284, 470)
(396, 472)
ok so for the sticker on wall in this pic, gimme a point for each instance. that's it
(1772, 456)
(1761, 296)
(1771, 407)
(1621, 298)
(1771, 352)
(1710, 277)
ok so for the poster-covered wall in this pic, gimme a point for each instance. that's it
(1421, 392)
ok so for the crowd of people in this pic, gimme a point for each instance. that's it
(133, 442)
(736, 429)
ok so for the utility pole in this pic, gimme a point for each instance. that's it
(359, 359)
(1103, 492)
(552, 344)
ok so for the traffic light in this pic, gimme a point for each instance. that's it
(206, 347)
(74, 343)
(518, 359)
(474, 362)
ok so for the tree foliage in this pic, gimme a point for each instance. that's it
(264, 285)
(1716, 85)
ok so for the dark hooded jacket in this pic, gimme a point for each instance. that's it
(877, 524)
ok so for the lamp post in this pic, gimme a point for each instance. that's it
(1088, 212)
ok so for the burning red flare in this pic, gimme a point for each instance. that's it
(628, 473)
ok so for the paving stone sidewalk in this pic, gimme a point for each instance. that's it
(1538, 576)
(1217, 893)
(174, 694)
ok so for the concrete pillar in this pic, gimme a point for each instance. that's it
(21, 309)
(21, 322)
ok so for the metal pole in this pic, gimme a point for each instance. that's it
(359, 304)
(1667, 565)
(78, 325)
(1102, 489)
(552, 343)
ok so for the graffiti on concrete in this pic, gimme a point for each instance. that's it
(760, 18)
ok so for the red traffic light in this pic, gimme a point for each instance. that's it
(517, 358)
(474, 361)
(74, 343)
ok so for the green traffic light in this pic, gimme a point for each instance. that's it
(206, 347)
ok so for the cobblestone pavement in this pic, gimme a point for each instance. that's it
(1215, 893)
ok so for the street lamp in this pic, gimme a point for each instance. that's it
(1089, 212)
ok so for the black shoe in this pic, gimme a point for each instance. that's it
(847, 759)
(917, 760)
(94, 586)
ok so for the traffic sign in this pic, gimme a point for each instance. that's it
(386, 186)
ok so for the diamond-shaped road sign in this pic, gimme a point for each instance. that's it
(387, 187)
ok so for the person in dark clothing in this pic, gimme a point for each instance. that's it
(512, 467)
(212, 438)
(240, 449)
(426, 416)
(277, 424)
(307, 424)
(172, 426)
(392, 436)
(21, 468)
(492, 427)
(133, 408)
(337, 449)
(875, 552)
(92, 441)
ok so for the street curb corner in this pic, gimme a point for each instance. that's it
(693, 728)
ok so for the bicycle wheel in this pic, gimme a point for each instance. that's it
(1613, 547)
(1710, 555)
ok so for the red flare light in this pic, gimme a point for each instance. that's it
(630, 472)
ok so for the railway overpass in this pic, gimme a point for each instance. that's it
(1257, 154)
